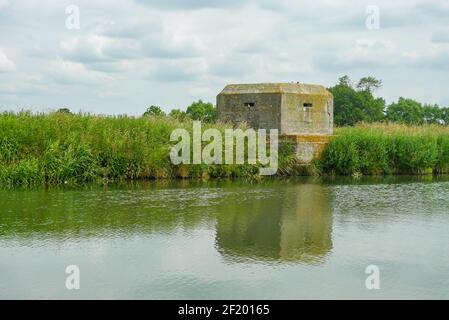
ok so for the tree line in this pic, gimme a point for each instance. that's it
(198, 110)
(353, 103)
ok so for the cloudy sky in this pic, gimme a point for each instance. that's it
(129, 54)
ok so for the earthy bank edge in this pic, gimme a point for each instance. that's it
(54, 149)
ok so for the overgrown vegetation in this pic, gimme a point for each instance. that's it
(64, 148)
(369, 149)
(405, 137)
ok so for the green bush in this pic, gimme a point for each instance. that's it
(387, 149)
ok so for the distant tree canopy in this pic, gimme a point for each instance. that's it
(153, 111)
(178, 114)
(409, 111)
(405, 111)
(203, 111)
(64, 110)
(356, 104)
(369, 84)
(353, 103)
(198, 110)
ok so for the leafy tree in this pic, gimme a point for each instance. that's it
(178, 114)
(433, 114)
(369, 84)
(154, 111)
(345, 81)
(352, 105)
(64, 110)
(445, 115)
(406, 111)
(204, 111)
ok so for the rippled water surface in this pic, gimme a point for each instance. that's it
(217, 240)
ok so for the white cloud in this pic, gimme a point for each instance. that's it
(363, 53)
(96, 48)
(72, 73)
(4, 3)
(190, 4)
(441, 36)
(166, 52)
(177, 70)
(6, 65)
(435, 58)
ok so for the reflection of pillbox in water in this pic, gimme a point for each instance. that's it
(292, 224)
(292, 108)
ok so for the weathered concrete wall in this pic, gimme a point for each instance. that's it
(292, 108)
(302, 113)
(306, 114)
(307, 146)
(238, 108)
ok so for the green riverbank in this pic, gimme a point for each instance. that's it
(54, 149)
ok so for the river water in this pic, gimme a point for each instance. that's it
(276, 239)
